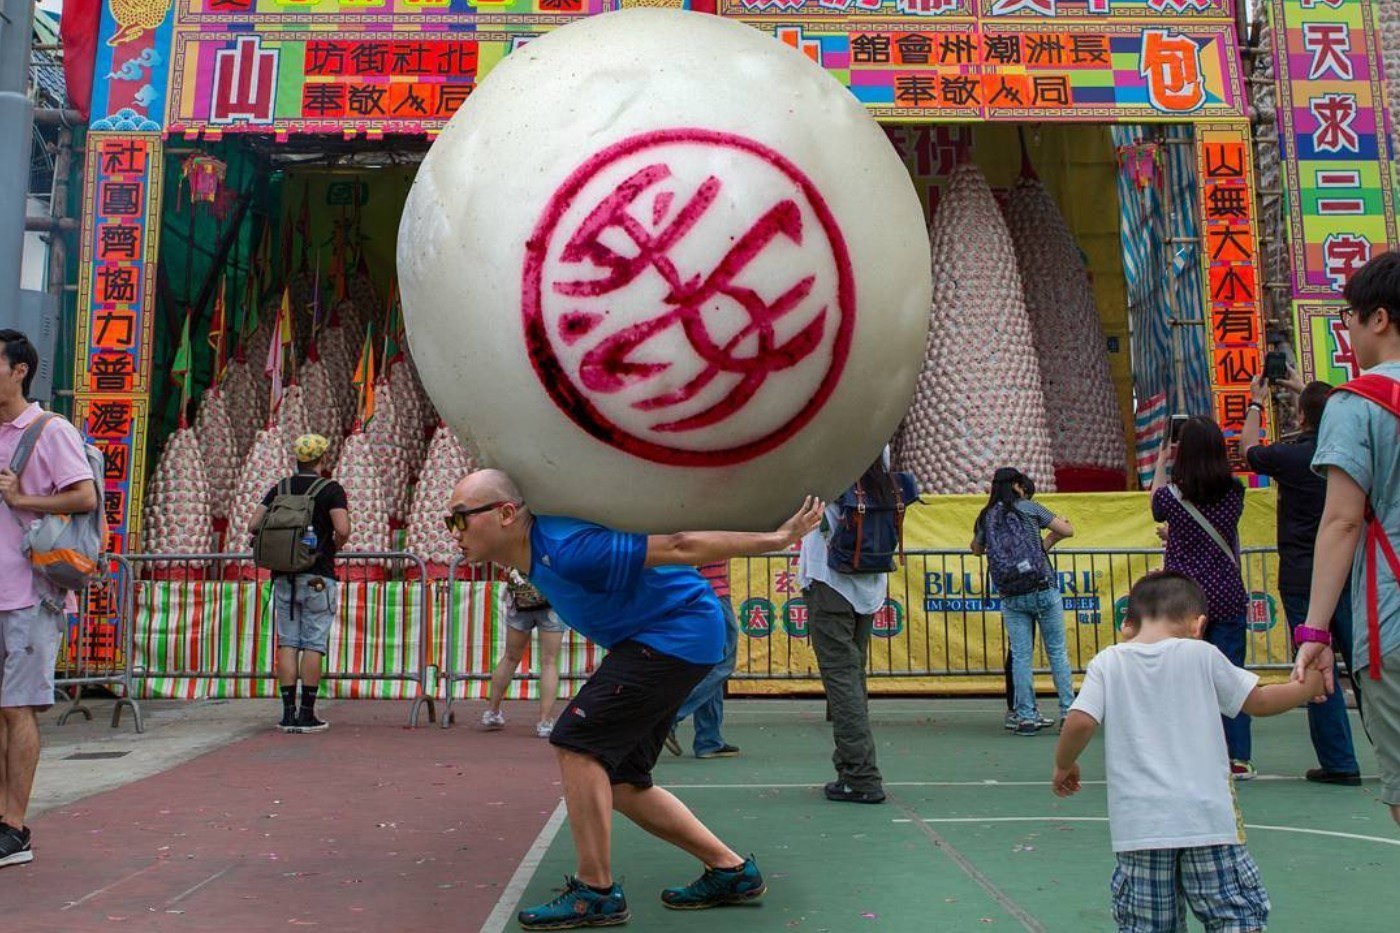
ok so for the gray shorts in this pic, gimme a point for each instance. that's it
(1380, 701)
(306, 622)
(523, 620)
(29, 642)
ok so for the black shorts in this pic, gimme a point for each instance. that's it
(623, 714)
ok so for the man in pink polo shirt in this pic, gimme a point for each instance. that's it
(56, 480)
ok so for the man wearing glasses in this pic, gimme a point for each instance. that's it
(640, 597)
(1358, 453)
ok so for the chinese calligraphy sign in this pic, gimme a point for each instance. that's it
(1236, 325)
(667, 322)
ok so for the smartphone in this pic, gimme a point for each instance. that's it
(1177, 422)
(1275, 366)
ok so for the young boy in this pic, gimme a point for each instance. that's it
(1171, 809)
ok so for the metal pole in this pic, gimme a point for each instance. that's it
(17, 118)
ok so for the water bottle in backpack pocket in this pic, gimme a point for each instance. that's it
(286, 541)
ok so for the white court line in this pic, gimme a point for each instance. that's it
(103, 890)
(504, 911)
(986, 783)
(1103, 819)
(188, 891)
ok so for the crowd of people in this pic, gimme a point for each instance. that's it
(1173, 698)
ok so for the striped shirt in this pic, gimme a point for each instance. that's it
(717, 574)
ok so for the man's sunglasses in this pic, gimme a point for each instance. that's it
(458, 520)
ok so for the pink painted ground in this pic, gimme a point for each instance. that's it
(369, 826)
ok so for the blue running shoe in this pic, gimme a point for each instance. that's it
(579, 906)
(717, 887)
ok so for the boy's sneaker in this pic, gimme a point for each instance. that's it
(1011, 721)
(578, 906)
(717, 887)
(306, 721)
(841, 792)
(673, 744)
(544, 729)
(492, 720)
(289, 719)
(1242, 770)
(1340, 778)
(14, 845)
(1029, 727)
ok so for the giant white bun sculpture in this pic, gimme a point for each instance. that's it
(668, 273)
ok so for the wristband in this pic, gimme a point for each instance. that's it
(1256, 405)
(1303, 634)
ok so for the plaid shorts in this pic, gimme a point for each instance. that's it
(1153, 887)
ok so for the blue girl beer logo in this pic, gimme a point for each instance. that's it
(795, 618)
(889, 621)
(756, 617)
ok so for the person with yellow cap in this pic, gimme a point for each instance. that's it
(305, 604)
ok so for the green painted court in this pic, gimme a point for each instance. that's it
(971, 836)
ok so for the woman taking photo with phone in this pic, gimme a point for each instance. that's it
(1202, 506)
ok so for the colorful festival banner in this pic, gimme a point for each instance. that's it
(132, 66)
(987, 9)
(1016, 60)
(343, 66)
(1234, 318)
(121, 193)
(116, 312)
(116, 425)
(1334, 135)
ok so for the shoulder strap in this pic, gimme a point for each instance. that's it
(317, 486)
(29, 441)
(1205, 524)
(1374, 387)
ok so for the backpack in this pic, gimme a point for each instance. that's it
(1385, 392)
(279, 544)
(64, 550)
(1015, 555)
(868, 535)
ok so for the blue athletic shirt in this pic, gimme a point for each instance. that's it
(597, 581)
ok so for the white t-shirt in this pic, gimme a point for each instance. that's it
(1164, 750)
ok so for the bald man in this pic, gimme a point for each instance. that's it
(640, 597)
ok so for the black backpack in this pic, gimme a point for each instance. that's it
(869, 534)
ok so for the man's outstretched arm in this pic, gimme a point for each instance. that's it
(690, 548)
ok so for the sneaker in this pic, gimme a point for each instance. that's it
(578, 906)
(306, 721)
(718, 887)
(1342, 778)
(1011, 721)
(1242, 770)
(673, 744)
(1030, 726)
(544, 729)
(841, 792)
(492, 720)
(289, 719)
(14, 846)
(724, 751)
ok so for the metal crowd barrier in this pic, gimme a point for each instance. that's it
(99, 647)
(453, 630)
(961, 632)
(190, 568)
